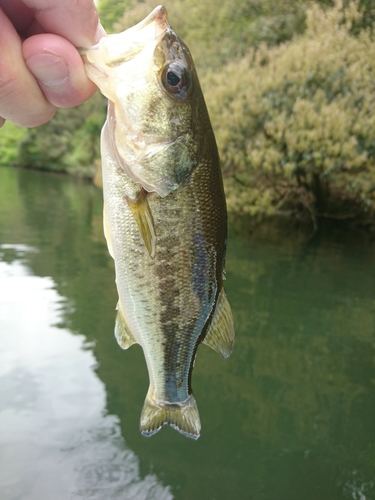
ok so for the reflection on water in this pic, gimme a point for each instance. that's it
(56, 440)
(289, 416)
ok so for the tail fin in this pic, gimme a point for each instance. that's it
(183, 417)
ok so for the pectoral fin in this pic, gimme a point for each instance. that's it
(145, 222)
(220, 334)
(123, 334)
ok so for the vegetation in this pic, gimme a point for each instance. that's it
(290, 90)
(68, 143)
(295, 126)
(111, 11)
(218, 33)
(10, 137)
(294, 120)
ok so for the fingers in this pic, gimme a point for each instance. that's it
(59, 70)
(47, 71)
(21, 99)
(19, 14)
(75, 20)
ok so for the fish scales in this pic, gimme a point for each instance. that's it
(165, 219)
(186, 280)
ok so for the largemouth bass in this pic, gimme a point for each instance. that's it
(165, 216)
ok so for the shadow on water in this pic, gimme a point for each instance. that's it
(289, 416)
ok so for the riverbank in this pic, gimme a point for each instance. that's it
(293, 114)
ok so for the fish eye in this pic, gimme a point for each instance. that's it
(176, 80)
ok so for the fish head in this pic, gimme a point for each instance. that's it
(158, 110)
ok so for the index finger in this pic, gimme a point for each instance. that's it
(75, 20)
(21, 100)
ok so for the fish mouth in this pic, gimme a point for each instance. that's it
(129, 43)
(159, 16)
(151, 27)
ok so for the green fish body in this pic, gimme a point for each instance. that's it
(165, 216)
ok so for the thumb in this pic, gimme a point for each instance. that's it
(58, 68)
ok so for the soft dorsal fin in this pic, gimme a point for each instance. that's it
(145, 222)
(220, 333)
(123, 334)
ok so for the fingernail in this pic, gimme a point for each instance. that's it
(48, 69)
(100, 33)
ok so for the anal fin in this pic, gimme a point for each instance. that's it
(183, 417)
(145, 222)
(124, 336)
(220, 334)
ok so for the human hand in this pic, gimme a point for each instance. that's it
(40, 67)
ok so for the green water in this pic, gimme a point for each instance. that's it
(289, 416)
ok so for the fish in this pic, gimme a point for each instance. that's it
(165, 218)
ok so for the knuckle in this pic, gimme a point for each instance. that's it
(21, 105)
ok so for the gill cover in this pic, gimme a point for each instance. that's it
(148, 76)
(147, 72)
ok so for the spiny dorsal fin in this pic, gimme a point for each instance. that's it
(123, 334)
(143, 217)
(183, 417)
(220, 334)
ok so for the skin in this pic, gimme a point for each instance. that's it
(40, 68)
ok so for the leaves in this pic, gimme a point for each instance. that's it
(297, 122)
(68, 143)
(290, 90)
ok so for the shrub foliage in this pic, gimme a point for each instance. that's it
(295, 123)
(290, 89)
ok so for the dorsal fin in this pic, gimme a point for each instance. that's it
(220, 333)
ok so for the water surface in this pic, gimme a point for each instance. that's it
(289, 416)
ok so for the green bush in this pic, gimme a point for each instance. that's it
(68, 143)
(10, 137)
(219, 32)
(295, 123)
(110, 11)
